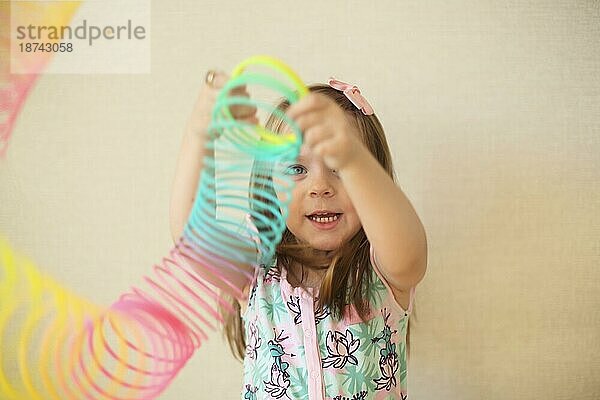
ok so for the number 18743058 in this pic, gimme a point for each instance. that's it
(42, 47)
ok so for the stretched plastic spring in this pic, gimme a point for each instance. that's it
(56, 345)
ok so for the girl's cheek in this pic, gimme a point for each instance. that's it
(283, 197)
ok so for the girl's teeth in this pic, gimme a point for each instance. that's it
(325, 220)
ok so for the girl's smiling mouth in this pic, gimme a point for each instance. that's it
(325, 221)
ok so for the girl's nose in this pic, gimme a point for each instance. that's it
(328, 192)
(321, 185)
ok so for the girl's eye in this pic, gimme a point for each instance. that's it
(293, 168)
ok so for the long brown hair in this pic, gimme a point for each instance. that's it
(344, 283)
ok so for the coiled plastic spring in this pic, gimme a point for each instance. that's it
(56, 345)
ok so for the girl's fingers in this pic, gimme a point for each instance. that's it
(311, 102)
(313, 135)
(219, 80)
(307, 120)
(199, 119)
(238, 111)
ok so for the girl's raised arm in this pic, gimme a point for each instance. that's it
(188, 172)
(193, 151)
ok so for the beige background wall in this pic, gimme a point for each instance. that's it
(491, 109)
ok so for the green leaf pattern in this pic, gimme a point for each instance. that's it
(382, 336)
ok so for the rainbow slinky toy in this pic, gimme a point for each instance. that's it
(56, 345)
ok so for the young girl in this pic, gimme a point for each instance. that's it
(327, 317)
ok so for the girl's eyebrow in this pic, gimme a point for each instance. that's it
(298, 159)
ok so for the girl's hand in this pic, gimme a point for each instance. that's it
(199, 120)
(327, 131)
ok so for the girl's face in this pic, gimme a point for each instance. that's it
(318, 189)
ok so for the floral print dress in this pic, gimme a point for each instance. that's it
(298, 351)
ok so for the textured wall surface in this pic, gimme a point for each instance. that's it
(491, 110)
